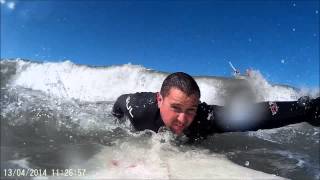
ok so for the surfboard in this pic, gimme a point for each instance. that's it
(149, 163)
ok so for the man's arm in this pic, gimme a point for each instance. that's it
(265, 115)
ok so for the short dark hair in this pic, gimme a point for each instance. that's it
(182, 81)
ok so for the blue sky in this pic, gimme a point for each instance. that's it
(279, 38)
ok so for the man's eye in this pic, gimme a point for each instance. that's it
(176, 109)
(191, 112)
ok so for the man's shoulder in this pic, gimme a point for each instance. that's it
(143, 110)
(203, 123)
(141, 103)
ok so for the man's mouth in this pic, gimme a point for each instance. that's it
(178, 127)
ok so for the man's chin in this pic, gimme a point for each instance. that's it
(177, 131)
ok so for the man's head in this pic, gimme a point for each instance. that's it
(178, 101)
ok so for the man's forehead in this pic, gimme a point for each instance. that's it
(178, 97)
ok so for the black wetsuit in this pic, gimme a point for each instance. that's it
(143, 112)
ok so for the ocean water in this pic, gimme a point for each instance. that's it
(56, 124)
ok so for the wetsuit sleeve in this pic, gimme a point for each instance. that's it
(278, 114)
(265, 115)
(119, 109)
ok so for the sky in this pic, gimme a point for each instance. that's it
(279, 38)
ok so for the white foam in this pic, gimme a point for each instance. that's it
(268, 92)
(68, 80)
(313, 92)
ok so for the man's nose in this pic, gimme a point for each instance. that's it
(182, 118)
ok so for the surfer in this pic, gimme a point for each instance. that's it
(236, 72)
(177, 106)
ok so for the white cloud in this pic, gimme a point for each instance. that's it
(2, 1)
(11, 5)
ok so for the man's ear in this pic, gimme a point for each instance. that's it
(159, 99)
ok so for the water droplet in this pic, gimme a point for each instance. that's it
(247, 163)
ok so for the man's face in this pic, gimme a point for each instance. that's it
(177, 110)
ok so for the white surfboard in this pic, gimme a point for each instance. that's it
(129, 161)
